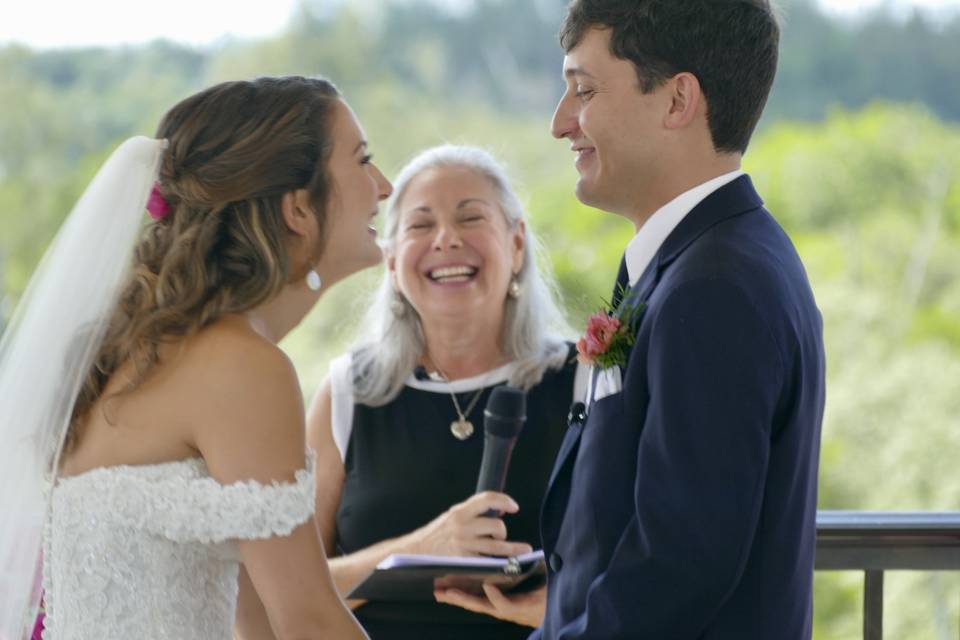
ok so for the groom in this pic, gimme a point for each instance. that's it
(684, 504)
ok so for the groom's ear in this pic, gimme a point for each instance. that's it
(686, 99)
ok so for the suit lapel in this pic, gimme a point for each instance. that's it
(640, 292)
(730, 200)
(558, 489)
(571, 442)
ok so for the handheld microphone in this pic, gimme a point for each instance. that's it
(503, 418)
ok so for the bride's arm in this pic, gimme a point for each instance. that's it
(252, 622)
(251, 427)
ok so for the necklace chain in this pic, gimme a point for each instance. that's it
(461, 428)
(463, 414)
(476, 397)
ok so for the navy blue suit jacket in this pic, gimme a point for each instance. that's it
(684, 506)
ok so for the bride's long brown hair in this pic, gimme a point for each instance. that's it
(234, 150)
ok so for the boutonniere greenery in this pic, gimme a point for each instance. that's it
(610, 333)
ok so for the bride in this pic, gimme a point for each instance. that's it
(153, 433)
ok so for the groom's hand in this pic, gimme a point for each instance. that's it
(523, 608)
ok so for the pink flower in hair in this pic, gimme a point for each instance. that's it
(39, 624)
(38, 628)
(157, 205)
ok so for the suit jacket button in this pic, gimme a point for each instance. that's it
(556, 562)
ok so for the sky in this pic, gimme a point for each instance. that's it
(43, 24)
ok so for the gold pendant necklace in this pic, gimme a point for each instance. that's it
(461, 428)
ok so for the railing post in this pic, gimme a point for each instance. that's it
(873, 605)
(874, 542)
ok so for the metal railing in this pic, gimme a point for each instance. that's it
(874, 542)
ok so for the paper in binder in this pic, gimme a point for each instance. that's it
(403, 577)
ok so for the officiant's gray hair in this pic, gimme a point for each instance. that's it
(533, 322)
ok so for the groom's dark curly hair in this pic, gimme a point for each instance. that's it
(729, 45)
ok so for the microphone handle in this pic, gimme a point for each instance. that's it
(493, 468)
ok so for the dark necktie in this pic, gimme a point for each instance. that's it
(623, 281)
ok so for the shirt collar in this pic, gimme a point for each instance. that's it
(643, 246)
(488, 379)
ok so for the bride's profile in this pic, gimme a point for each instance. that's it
(153, 459)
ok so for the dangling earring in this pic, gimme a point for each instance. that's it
(313, 280)
(515, 289)
(397, 306)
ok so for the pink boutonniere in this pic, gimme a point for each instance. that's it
(609, 335)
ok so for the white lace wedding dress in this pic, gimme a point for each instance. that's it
(149, 552)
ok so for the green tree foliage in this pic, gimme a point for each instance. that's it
(868, 189)
(871, 199)
(824, 62)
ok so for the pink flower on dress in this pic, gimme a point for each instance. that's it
(601, 330)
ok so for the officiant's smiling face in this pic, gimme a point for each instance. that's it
(455, 252)
(614, 128)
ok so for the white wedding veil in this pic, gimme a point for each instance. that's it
(47, 351)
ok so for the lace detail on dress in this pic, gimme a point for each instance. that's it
(149, 552)
(180, 501)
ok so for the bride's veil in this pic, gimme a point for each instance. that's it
(47, 351)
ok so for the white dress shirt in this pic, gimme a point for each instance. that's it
(650, 237)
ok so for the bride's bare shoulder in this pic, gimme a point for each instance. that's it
(232, 340)
(246, 415)
(230, 359)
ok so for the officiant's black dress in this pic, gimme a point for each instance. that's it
(404, 468)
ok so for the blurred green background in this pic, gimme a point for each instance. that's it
(858, 156)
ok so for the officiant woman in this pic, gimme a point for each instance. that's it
(398, 423)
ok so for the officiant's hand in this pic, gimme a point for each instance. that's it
(463, 531)
(523, 608)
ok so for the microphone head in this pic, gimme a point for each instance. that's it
(505, 412)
